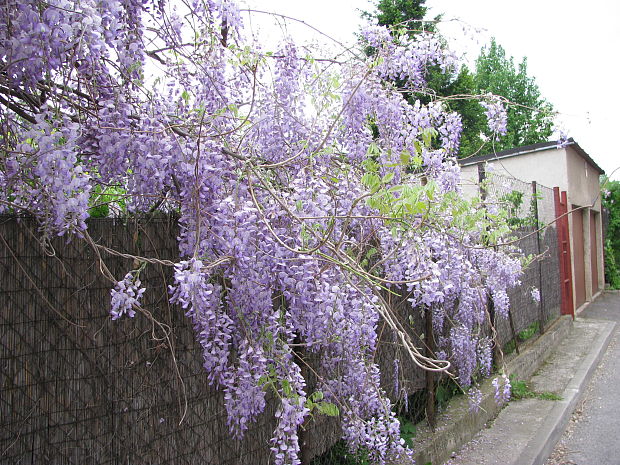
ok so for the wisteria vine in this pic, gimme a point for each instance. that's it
(306, 189)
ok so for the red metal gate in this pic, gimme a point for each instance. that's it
(566, 278)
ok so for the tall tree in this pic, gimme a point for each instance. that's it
(407, 13)
(610, 196)
(456, 88)
(530, 116)
(459, 93)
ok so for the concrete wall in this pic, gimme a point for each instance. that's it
(583, 181)
(547, 167)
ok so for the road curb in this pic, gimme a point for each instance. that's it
(541, 446)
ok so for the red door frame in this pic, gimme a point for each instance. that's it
(566, 275)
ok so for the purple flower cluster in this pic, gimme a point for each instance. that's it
(475, 399)
(563, 140)
(464, 351)
(380, 435)
(502, 389)
(125, 296)
(408, 58)
(496, 114)
(45, 177)
(485, 356)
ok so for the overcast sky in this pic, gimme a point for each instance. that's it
(573, 51)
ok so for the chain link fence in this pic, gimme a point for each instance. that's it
(531, 211)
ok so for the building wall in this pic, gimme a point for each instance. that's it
(584, 191)
(469, 181)
(583, 181)
(566, 169)
(547, 167)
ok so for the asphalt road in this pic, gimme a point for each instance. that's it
(593, 433)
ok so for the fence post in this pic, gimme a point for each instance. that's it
(540, 280)
(481, 177)
(430, 375)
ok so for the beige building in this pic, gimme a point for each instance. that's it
(571, 169)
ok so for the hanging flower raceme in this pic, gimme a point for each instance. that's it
(497, 117)
(126, 296)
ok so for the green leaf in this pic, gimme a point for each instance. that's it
(371, 180)
(373, 149)
(417, 146)
(371, 252)
(428, 135)
(316, 396)
(405, 157)
(185, 96)
(286, 388)
(387, 178)
(328, 409)
(407, 427)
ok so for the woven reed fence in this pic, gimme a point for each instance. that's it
(76, 387)
(79, 388)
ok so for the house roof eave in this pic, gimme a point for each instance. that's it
(538, 147)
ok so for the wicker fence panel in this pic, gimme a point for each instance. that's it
(77, 387)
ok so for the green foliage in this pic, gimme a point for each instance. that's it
(445, 391)
(407, 431)
(400, 202)
(520, 390)
(529, 332)
(400, 13)
(549, 396)
(522, 336)
(612, 273)
(509, 348)
(339, 454)
(512, 203)
(102, 200)
(530, 118)
(610, 198)
(315, 401)
(472, 114)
